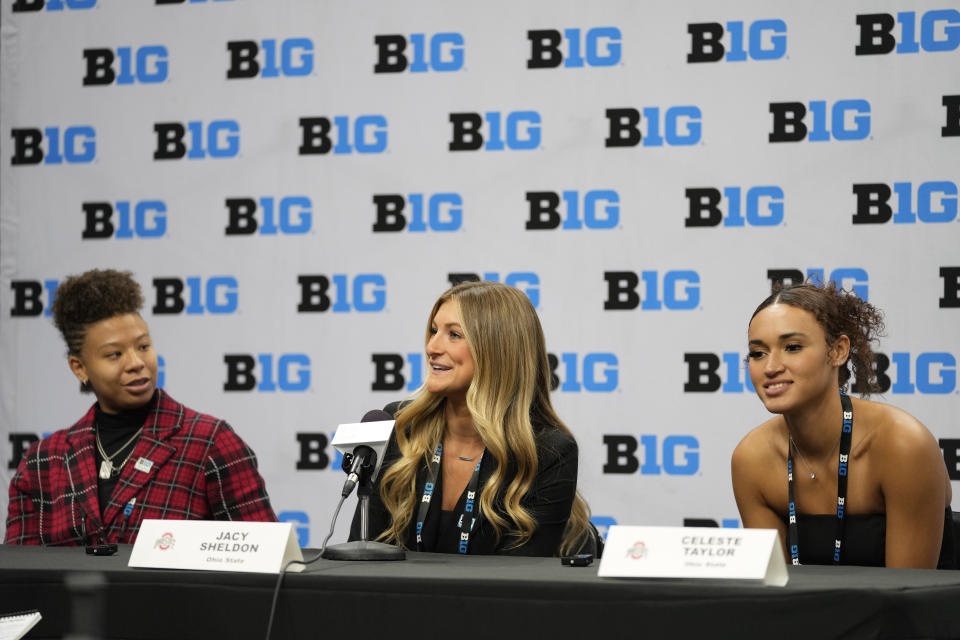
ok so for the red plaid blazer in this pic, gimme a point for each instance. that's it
(191, 467)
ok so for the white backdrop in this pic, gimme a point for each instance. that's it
(80, 138)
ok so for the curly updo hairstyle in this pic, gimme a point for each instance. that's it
(839, 313)
(90, 297)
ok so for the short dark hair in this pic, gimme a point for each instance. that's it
(838, 312)
(90, 297)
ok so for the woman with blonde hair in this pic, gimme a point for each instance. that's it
(479, 461)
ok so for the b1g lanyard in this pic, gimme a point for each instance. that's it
(469, 516)
(793, 535)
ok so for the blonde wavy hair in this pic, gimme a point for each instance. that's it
(509, 393)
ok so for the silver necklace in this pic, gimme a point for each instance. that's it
(106, 467)
(803, 458)
(466, 459)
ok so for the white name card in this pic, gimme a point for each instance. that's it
(694, 552)
(215, 545)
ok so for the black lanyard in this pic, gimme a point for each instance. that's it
(793, 534)
(470, 509)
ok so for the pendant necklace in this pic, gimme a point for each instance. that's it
(803, 458)
(106, 467)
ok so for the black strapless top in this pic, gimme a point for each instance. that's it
(864, 541)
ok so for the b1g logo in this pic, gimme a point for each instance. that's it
(851, 278)
(290, 57)
(427, 212)
(366, 293)
(437, 52)
(935, 202)
(703, 373)
(600, 207)
(526, 281)
(52, 5)
(143, 219)
(725, 523)
(518, 131)
(952, 125)
(313, 452)
(218, 295)
(216, 139)
(589, 372)
(951, 287)
(367, 134)
(267, 372)
(764, 207)
(681, 290)
(28, 297)
(680, 126)
(876, 32)
(289, 215)
(396, 371)
(674, 455)
(600, 47)
(766, 40)
(79, 145)
(848, 120)
(927, 373)
(144, 65)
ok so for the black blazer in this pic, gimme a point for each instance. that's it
(549, 501)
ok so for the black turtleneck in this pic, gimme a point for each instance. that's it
(114, 430)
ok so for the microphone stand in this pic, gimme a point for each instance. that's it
(364, 548)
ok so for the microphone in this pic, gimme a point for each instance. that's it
(362, 445)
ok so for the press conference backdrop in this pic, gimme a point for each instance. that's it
(293, 184)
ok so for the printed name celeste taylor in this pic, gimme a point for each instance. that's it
(231, 542)
(710, 546)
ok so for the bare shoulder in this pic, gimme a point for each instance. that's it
(759, 444)
(893, 431)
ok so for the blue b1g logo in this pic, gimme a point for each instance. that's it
(766, 40)
(600, 47)
(675, 455)
(427, 212)
(290, 57)
(143, 219)
(847, 120)
(518, 131)
(600, 207)
(851, 278)
(267, 372)
(289, 215)
(216, 139)
(876, 32)
(367, 134)
(437, 52)
(680, 290)
(679, 126)
(64, 145)
(366, 293)
(936, 202)
(52, 5)
(763, 207)
(302, 522)
(218, 295)
(144, 65)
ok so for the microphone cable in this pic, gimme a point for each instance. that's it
(323, 546)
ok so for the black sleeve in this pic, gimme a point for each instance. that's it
(550, 499)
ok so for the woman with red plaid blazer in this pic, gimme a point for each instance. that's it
(137, 453)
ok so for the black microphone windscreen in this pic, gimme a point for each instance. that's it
(377, 415)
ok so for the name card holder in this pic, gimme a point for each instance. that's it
(694, 552)
(208, 545)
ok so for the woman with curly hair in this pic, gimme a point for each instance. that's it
(844, 480)
(137, 453)
(479, 461)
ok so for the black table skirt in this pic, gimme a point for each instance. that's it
(477, 597)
